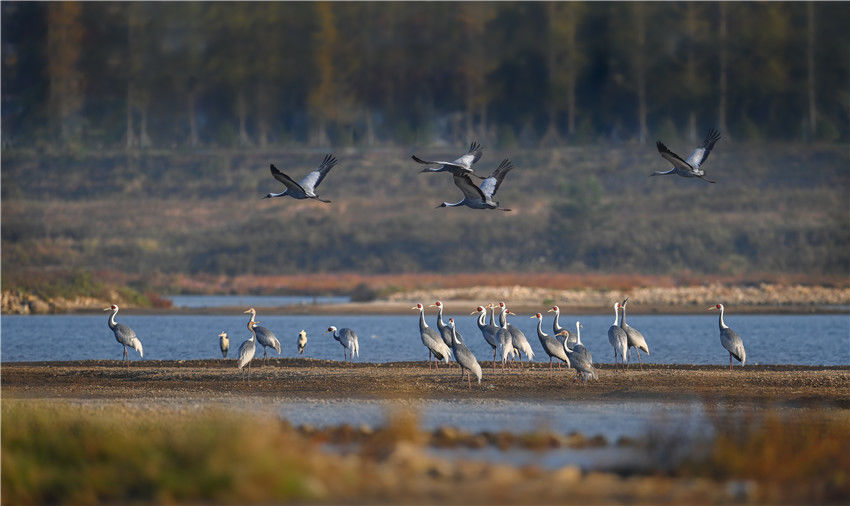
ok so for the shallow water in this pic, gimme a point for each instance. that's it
(672, 339)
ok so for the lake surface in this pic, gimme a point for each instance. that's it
(672, 339)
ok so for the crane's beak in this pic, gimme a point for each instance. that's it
(510, 313)
(580, 326)
(414, 307)
(473, 312)
(711, 308)
(432, 305)
(535, 316)
(626, 300)
(550, 311)
(246, 312)
(107, 309)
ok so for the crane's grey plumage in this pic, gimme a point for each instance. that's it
(635, 338)
(265, 337)
(348, 339)
(464, 357)
(489, 331)
(481, 197)
(552, 347)
(519, 341)
(302, 341)
(580, 357)
(444, 329)
(617, 337)
(569, 337)
(459, 167)
(505, 338)
(124, 334)
(691, 166)
(431, 339)
(730, 339)
(306, 189)
(248, 348)
(224, 344)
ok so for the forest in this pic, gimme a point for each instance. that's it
(173, 75)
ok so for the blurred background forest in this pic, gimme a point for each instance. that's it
(137, 136)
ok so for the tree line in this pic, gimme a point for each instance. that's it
(190, 75)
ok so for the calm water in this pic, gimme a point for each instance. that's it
(198, 301)
(690, 339)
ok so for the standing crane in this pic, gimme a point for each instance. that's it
(569, 336)
(481, 197)
(488, 331)
(691, 166)
(444, 329)
(552, 347)
(124, 335)
(459, 167)
(265, 337)
(580, 357)
(618, 338)
(224, 344)
(505, 338)
(431, 339)
(348, 339)
(302, 341)
(730, 339)
(248, 348)
(636, 339)
(306, 189)
(464, 357)
(520, 343)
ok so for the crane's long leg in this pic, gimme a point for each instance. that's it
(730, 361)
(640, 361)
(494, 359)
(429, 359)
(469, 380)
(125, 354)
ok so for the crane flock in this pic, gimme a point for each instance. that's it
(447, 342)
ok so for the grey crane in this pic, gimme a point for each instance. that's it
(464, 357)
(124, 334)
(520, 342)
(505, 337)
(617, 337)
(224, 344)
(730, 339)
(348, 339)
(265, 337)
(481, 197)
(306, 189)
(636, 339)
(490, 332)
(580, 357)
(691, 166)
(552, 347)
(431, 339)
(459, 167)
(569, 336)
(302, 341)
(248, 348)
(444, 329)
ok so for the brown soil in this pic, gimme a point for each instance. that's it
(306, 378)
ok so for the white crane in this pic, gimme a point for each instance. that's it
(124, 335)
(444, 329)
(488, 331)
(464, 357)
(481, 197)
(302, 341)
(569, 336)
(618, 338)
(459, 167)
(306, 189)
(520, 342)
(552, 347)
(730, 339)
(691, 166)
(636, 339)
(348, 339)
(224, 344)
(580, 357)
(248, 349)
(431, 339)
(505, 338)
(265, 337)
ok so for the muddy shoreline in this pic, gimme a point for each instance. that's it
(321, 379)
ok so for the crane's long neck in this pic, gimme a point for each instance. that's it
(456, 204)
(454, 336)
(623, 322)
(503, 318)
(440, 324)
(493, 316)
(540, 332)
(722, 323)
(481, 316)
(616, 317)
(578, 334)
(556, 325)
(336, 336)
(112, 323)
(422, 324)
